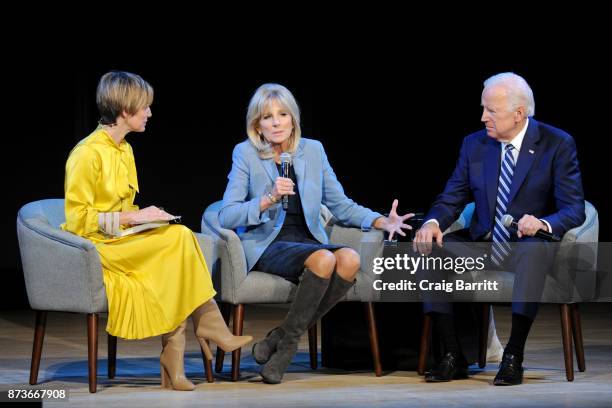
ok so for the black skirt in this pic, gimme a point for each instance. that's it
(286, 255)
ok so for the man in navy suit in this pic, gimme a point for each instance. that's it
(515, 166)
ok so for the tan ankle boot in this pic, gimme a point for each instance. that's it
(208, 324)
(172, 360)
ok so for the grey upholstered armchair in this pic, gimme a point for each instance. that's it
(62, 272)
(555, 288)
(237, 287)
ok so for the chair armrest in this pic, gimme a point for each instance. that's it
(354, 237)
(208, 245)
(575, 269)
(588, 231)
(44, 229)
(464, 219)
(229, 266)
(62, 271)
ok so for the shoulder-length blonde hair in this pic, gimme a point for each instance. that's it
(264, 95)
(120, 91)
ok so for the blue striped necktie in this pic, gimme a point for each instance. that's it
(500, 248)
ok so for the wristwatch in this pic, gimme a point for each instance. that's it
(272, 199)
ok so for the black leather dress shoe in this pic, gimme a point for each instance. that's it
(510, 371)
(451, 367)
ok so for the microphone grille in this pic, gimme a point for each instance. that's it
(285, 157)
(507, 220)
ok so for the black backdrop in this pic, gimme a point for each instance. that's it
(392, 127)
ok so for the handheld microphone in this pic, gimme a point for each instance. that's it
(285, 159)
(508, 222)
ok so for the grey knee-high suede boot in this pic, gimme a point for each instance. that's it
(336, 291)
(263, 350)
(305, 304)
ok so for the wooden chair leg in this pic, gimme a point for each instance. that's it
(39, 337)
(424, 349)
(208, 369)
(112, 356)
(312, 347)
(225, 312)
(373, 332)
(566, 334)
(92, 350)
(577, 334)
(484, 335)
(237, 326)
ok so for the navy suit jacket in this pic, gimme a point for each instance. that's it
(546, 183)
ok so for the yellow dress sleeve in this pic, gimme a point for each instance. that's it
(82, 171)
(133, 178)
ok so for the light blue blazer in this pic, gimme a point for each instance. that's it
(252, 178)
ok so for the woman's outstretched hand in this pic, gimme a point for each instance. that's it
(394, 223)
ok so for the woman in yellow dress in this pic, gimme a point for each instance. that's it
(154, 279)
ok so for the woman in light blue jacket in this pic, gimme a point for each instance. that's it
(292, 243)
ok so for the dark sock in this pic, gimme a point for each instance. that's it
(445, 326)
(521, 325)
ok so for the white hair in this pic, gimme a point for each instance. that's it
(519, 91)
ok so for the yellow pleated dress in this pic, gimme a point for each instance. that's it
(154, 279)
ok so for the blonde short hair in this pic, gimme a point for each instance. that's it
(261, 99)
(120, 91)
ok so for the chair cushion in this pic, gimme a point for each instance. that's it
(261, 287)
